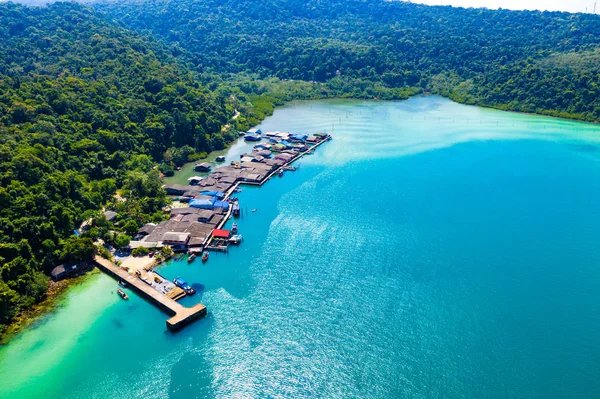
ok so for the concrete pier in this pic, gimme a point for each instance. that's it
(181, 316)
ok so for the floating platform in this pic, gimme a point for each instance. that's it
(217, 248)
(181, 316)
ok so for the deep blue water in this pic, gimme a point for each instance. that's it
(430, 250)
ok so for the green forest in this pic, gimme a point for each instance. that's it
(531, 61)
(86, 107)
(105, 97)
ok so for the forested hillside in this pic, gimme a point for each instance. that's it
(496, 58)
(86, 107)
(92, 99)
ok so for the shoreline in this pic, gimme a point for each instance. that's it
(55, 295)
(57, 291)
(172, 179)
(510, 110)
(194, 234)
(272, 286)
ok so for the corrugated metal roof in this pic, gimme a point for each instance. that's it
(218, 233)
(175, 237)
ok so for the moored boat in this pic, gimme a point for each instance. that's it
(236, 209)
(236, 239)
(122, 283)
(220, 158)
(234, 228)
(122, 294)
(181, 283)
(280, 174)
(191, 258)
(204, 256)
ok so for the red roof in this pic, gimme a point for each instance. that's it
(221, 233)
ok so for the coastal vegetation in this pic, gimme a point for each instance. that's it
(86, 107)
(103, 99)
(530, 61)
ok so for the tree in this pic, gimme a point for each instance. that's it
(9, 303)
(131, 227)
(140, 162)
(75, 119)
(122, 241)
(77, 249)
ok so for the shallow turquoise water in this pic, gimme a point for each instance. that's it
(430, 250)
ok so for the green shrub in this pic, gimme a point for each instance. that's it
(140, 251)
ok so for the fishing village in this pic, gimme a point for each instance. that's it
(197, 216)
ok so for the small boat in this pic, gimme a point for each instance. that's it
(237, 190)
(236, 209)
(254, 210)
(122, 283)
(220, 158)
(280, 174)
(181, 283)
(236, 239)
(122, 294)
(204, 256)
(234, 228)
(191, 258)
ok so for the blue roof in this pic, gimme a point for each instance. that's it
(300, 137)
(252, 137)
(202, 203)
(217, 194)
(221, 204)
(208, 204)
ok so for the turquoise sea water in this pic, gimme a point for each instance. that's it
(430, 250)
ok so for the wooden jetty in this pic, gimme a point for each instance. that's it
(284, 166)
(207, 244)
(181, 316)
(175, 293)
(217, 248)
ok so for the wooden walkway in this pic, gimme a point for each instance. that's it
(285, 165)
(206, 244)
(181, 316)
